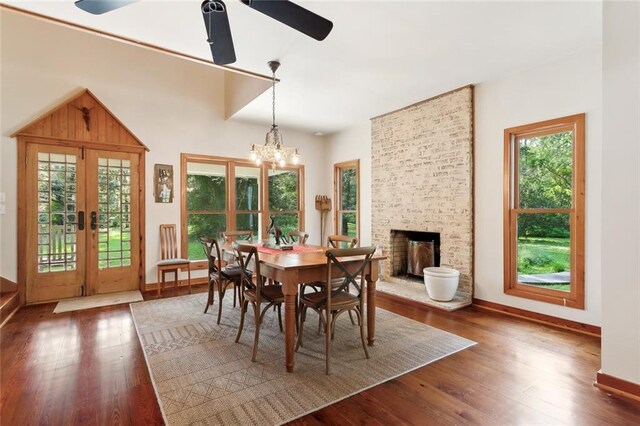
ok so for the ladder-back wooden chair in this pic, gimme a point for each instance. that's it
(301, 236)
(331, 301)
(256, 292)
(169, 260)
(220, 276)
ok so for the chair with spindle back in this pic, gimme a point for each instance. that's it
(170, 262)
(300, 235)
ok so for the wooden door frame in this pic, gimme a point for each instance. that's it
(22, 142)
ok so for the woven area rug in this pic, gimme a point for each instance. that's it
(202, 377)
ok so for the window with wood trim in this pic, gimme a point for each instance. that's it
(220, 194)
(346, 190)
(285, 198)
(544, 211)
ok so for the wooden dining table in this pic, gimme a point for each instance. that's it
(306, 264)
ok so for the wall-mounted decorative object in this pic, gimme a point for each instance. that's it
(323, 204)
(163, 183)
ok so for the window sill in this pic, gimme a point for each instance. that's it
(548, 296)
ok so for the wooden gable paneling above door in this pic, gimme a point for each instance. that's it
(82, 118)
(81, 205)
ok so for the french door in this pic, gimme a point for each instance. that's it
(83, 234)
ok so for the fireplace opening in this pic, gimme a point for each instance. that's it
(411, 251)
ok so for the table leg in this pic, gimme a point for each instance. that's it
(371, 309)
(289, 329)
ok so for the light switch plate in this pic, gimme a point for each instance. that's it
(3, 197)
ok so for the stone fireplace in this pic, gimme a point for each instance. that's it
(422, 188)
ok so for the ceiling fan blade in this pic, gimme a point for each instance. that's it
(219, 37)
(297, 17)
(98, 7)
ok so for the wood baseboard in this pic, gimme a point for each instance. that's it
(10, 305)
(592, 330)
(616, 386)
(181, 283)
(7, 286)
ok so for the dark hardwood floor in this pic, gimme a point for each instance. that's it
(87, 367)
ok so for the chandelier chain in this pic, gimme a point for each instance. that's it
(273, 97)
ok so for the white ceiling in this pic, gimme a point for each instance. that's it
(380, 56)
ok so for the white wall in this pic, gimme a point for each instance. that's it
(621, 191)
(569, 86)
(352, 144)
(172, 105)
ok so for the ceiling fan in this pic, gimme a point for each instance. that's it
(217, 22)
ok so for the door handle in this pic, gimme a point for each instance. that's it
(81, 221)
(94, 221)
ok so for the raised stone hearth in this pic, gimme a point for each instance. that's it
(415, 290)
(422, 180)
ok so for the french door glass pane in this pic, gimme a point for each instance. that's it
(543, 250)
(206, 187)
(56, 217)
(114, 213)
(348, 224)
(545, 169)
(348, 189)
(283, 190)
(203, 226)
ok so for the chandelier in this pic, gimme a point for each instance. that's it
(273, 150)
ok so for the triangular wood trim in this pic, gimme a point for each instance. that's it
(95, 124)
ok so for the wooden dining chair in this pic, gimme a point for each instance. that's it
(341, 241)
(231, 236)
(220, 276)
(333, 241)
(256, 292)
(331, 301)
(301, 236)
(169, 260)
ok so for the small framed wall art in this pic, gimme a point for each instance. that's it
(163, 183)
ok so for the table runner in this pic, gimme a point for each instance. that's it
(296, 249)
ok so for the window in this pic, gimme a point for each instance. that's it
(346, 188)
(544, 211)
(247, 199)
(284, 199)
(206, 203)
(227, 194)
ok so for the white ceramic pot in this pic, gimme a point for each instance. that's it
(441, 283)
